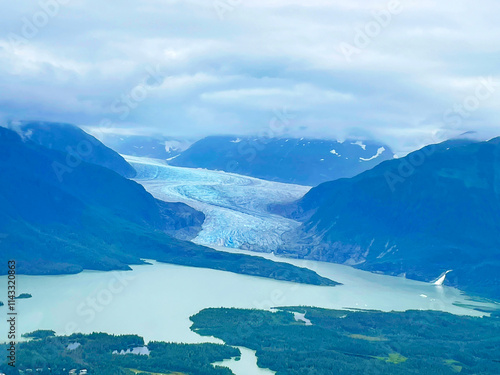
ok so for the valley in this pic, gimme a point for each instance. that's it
(156, 300)
(249, 188)
(235, 206)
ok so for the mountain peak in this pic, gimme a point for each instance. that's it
(78, 145)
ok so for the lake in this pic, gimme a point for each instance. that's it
(156, 301)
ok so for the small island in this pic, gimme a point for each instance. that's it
(24, 296)
(1, 303)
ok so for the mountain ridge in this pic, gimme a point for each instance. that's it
(78, 145)
(291, 160)
(95, 219)
(441, 213)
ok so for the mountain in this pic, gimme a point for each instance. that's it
(76, 144)
(156, 147)
(299, 161)
(96, 219)
(178, 219)
(46, 214)
(437, 209)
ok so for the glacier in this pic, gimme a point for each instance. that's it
(235, 206)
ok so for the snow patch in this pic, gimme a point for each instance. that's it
(360, 144)
(379, 152)
(388, 251)
(174, 146)
(173, 157)
(441, 278)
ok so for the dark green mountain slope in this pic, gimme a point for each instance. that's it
(77, 145)
(96, 219)
(435, 210)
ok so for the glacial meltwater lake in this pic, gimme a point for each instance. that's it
(155, 301)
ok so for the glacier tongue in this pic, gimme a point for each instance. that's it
(234, 205)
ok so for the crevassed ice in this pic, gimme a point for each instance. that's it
(234, 205)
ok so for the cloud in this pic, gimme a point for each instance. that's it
(301, 96)
(228, 66)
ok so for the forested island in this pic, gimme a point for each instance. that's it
(359, 342)
(24, 296)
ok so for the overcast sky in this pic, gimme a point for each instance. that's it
(407, 73)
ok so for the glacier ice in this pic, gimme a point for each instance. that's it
(234, 205)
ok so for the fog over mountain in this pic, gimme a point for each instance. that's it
(405, 73)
